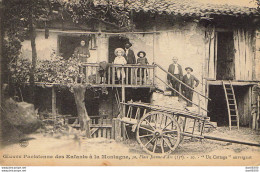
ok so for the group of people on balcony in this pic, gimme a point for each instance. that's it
(175, 69)
(122, 57)
(127, 56)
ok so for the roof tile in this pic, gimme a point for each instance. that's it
(184, 7)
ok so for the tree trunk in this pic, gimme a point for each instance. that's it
(79, 95)
(34, 54)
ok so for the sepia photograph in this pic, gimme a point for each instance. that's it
(130, 83)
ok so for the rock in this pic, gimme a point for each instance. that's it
(21, 115)
(167, 101)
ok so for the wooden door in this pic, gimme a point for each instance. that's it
(225, 56)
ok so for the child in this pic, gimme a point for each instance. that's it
(142, 60)
(119, 52)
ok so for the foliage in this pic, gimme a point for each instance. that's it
(20, 71)
(16, 21)
(84, 11)
(57, 70)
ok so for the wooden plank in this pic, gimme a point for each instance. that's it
(145, 75)
(126, 79)
(113, 75)
(109, 75)
(250, 106)
(113, 129)
(154, 43)
(216, 55)
(97, 74)
(258, 112)
(123, 130)
(132, 76)
(141, 78)
(234, 83)
(109, 133)
(104, 132)
(135, 74)
(53, 105)
(118, 130)
(123, 100)
(99, 132)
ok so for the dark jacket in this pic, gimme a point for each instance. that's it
(189, 82)
(171, 70)
(130, 58)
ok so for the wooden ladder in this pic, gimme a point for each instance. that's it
(231, 104)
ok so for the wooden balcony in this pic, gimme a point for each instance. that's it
(135, 75)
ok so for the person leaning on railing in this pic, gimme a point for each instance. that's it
(82, 52)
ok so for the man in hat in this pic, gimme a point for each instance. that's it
(82, 52)
(129, 54)
(176, 70)
(189, 80)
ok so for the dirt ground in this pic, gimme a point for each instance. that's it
(70, 145)
(192, 146)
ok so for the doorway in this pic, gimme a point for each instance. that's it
(225, 56)
(217, 107)
(115, 42)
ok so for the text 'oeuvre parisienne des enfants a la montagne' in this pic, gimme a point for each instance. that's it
(128, 157)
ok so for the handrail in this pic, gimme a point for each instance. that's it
(181, 81)
(119, 65)
(181, 94)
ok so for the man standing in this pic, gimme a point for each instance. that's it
(129, 54)
(82, 52)
(176, 70)
(189, 80)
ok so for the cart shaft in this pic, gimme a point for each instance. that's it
(231, 141)
(219, 139)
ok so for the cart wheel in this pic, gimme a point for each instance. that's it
(158, 133)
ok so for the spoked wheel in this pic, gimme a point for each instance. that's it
(158, 133)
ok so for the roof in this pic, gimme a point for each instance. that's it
(180, 7)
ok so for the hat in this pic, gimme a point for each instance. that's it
(129, 43)
(119, 49)
(138, 54)
(189, 68)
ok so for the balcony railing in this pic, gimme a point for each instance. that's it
(131, 75)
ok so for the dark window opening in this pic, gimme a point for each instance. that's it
(68, 43)
(115, 42)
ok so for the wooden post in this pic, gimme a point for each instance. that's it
(117, 130)
(123, 130)
(99, 42)
(199, 107)
(53, 105)
(258, 112)
(123, 100)
(113, 129)
(154, 35)
(84, 120)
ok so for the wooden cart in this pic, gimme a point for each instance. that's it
(159, 130)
